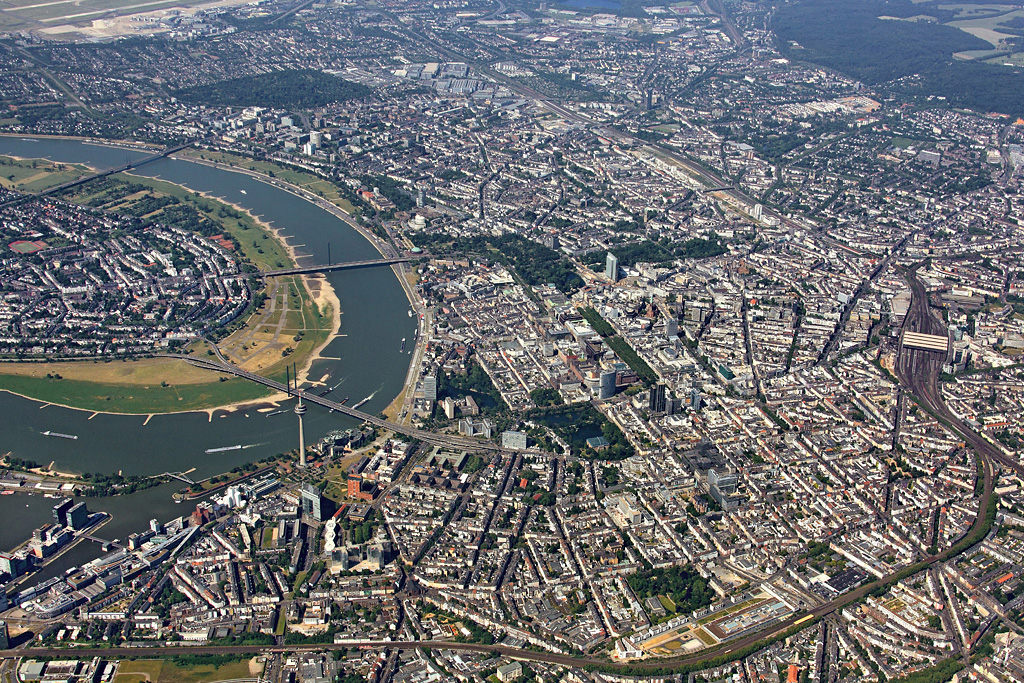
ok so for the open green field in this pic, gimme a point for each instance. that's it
(141, 670)
(704, 637)
(171, 671)
(966, 9)
(982, 28)
(1015, 59)
(141, 400)
(35, 175)
(904, 143)
(984, 21)
(981, 55)
(307, 181)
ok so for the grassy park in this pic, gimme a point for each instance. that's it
(174, 671)
(35, 175)
(111, 389)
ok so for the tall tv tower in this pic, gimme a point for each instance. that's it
(300, 410)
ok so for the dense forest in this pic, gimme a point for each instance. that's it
(298, 89)
(849, 37)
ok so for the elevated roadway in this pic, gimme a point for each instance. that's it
(449, 441)
(111, 171)
(326, 268)
(99, 174)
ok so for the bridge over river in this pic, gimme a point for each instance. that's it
(300, 270)
(447, 440)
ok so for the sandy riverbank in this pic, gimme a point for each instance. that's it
(319, 289)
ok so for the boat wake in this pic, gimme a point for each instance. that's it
(368, 398)
(238, 447)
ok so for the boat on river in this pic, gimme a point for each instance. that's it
(60, 436)
(223, 449)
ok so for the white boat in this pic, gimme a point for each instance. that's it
(243, 192)
(224, 448)
(60, 436)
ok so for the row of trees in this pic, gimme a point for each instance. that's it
(662, 251)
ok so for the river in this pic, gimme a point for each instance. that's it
(365, 357)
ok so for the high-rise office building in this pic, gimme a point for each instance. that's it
(607, 386)
(78, 517)
(671, 405)
(12, 565)
(656, 398)
(430, 387)
(611, 267)
(312, 502)
(60, 511)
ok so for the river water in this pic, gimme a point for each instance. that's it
(365, 357)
